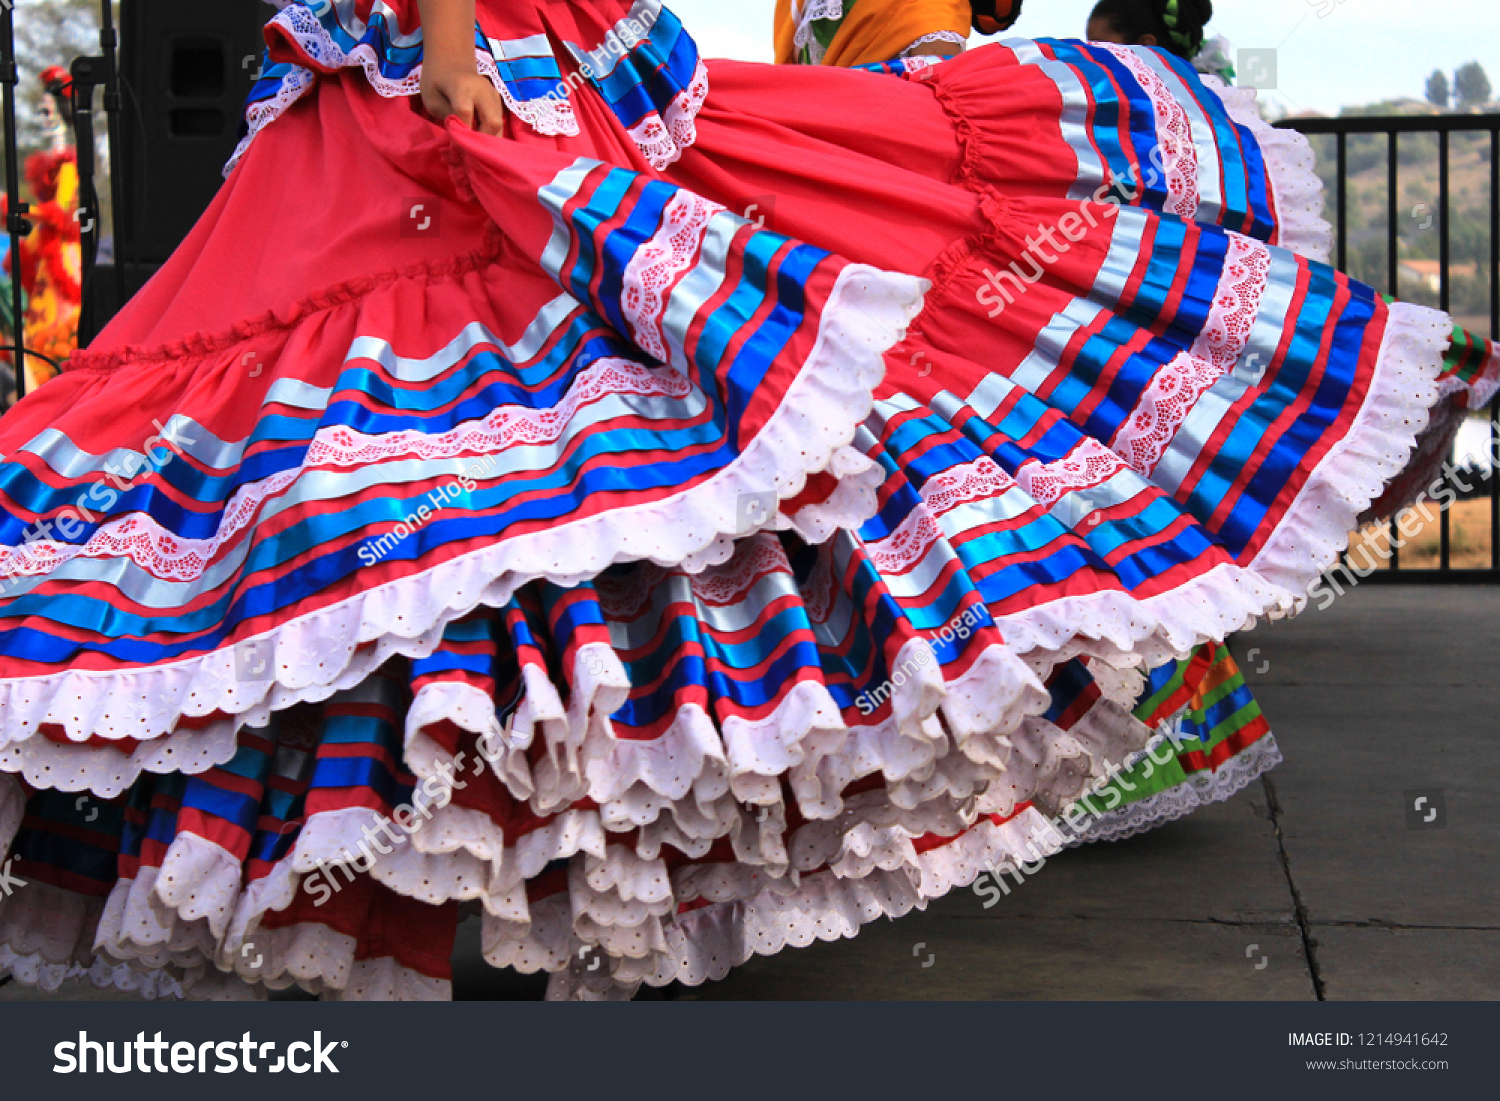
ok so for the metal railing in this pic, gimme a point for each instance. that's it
(1444, 126)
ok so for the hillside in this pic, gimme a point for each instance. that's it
(1418, 225)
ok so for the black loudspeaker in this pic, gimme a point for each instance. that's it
(186, 67)
(102, 292)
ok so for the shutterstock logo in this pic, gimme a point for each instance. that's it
(93, 1057)
(8, 882)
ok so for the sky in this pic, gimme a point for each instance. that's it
(1330, 53)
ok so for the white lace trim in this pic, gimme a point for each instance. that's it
(691, 771)
(867, 855)
(806, 15)
(35, 970)
(312, 657)
(153, 548)
(727, 584)
(1164, 404)
(707, 943)
(815, 10)
(919, 530)
(1434, 446)
(961, 40)
(1119, 629)
(1174, 132)
(385, 980)
(187, 930)
(1088, 464)
(471, 709)
(1297, 192)
(972, 481)
(178, 916)
(663, 138)
(177, 913)
(549, 115)
(819, 522)
(943, 739)
(908, 544)
(503, 427)
(658, 265)
(296, 84)
(1236, 305)
(884, 885)
(45, 934)
(1145, 435)
(321, 961)
(1199, 790)
(1229, 598)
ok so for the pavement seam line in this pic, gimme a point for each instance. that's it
(1303, 921)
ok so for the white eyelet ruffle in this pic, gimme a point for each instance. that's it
(1377, 448)
(338, 647)
(1297, 190)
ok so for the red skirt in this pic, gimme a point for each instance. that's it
(709, 517)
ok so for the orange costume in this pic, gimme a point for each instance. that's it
(864, 32)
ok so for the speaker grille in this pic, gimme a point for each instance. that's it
(199, 68)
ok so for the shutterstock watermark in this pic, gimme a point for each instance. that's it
(1052, 242)
(375, 550)
(120, 477)
(1426, 809)
(1405, 528)
(601, 61)
(1075, 822)
(388, 834)
(1325, 7)
(961, 628)
(85, 1056)
(760, 210)
(1258, 69)
(9, 882)
(421, 218)
(753, 511)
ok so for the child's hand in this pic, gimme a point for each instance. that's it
(461, 92)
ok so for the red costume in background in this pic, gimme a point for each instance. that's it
(51, 255)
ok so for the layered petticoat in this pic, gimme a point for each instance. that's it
(510, 528)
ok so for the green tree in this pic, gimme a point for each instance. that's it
(1438, 92)
(1471, 86)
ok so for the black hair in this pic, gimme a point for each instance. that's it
(1177, 24)
(994, 16)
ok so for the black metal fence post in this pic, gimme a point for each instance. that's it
(1443, 126)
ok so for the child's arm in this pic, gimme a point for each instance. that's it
(451, 84)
